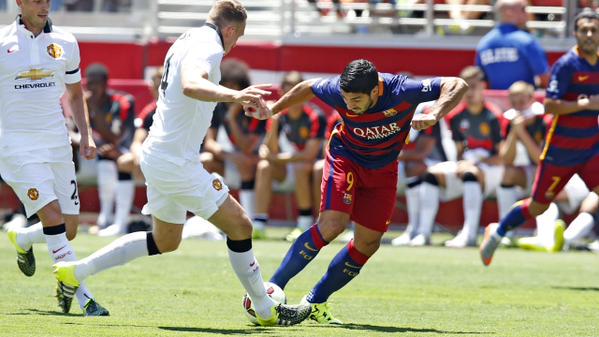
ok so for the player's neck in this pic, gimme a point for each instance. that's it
(31, 27)
(476, 108)
(592, 58)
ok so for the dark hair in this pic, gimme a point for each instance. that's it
(360, 76)
(97, 71)
(235, 72)
(586, 13)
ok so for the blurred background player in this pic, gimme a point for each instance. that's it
(129, 161)
(291, 146)
(359, 184)
(508, 53)
(572, 144)
(428, 147)
(232, 141)
(520, 152)
(112, 117)
(476, 130)
(37, 159)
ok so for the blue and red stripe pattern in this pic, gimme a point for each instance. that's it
(375, 138)
(574, 138)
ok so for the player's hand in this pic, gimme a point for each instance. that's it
(109, 151)
(87, 148)
(261, 112)
(423, 121)
(518, 123)
(252, 95)
(594, 102)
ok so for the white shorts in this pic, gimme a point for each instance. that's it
(455, 186)
(175, 189)
(39, 177)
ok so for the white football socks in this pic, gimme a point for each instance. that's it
(429, 205)
(579, 228)
(506, 198)
(247, 269)
(304, 222)
(27, 236)
(247, 199)
(107, 182)
(473, 202)
(125, 192)
(118, 252)
(413, 205)
(60, 249)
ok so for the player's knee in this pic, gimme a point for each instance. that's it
(469, 176)
(167, 245)
(331, 229)
(430, 178)
(509, 176)
(264, 166)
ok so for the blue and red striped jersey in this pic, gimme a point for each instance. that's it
(574, 138)
(375, 138)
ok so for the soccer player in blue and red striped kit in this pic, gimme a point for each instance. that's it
(360, 173)
(572, 143)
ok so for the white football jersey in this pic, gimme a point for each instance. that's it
(33, 74)
(180, 123)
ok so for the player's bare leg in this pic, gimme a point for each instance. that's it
(303, 196)
(266, 173)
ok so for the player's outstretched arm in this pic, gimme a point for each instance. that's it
(452, 91)
(87, 147)
(300, 93)
(561, 107)
(195, 84)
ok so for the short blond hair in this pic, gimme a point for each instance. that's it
(227, 12)
(472, 73)
(521, 87)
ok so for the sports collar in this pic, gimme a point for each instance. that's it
(220, 35)
(47, 27)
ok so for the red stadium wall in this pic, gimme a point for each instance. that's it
(128, 61)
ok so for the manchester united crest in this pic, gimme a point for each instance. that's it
(347, 198)
(217, 184)
(55, 51)
(33, 194)
(485, 129)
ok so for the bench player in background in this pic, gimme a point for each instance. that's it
(39, 62)
(572, 144)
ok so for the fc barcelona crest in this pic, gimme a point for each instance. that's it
(347, 199)
(55, 51)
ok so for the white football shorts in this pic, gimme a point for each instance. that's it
(173, 189)
(41, 176)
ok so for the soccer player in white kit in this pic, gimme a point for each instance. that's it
(176, 181)
(37, 62)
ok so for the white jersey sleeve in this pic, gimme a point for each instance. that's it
(72, 70)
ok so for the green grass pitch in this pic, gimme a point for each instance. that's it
(430, 291)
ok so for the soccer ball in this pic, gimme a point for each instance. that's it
(274, 291)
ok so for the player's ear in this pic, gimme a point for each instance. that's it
(374, 92)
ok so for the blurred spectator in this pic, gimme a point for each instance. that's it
(475, 128)
(508, 53)
(325, 11)
(112, 119)
(582, 225)
(79, 5)
(232, 141)
(292, 144)
(129, 162)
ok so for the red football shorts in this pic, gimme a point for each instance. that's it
(367, 195)
(552, 178)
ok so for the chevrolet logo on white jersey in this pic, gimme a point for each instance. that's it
(35, 74)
